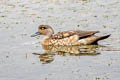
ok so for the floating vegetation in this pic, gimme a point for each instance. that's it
(33, 14)
(6, 27)
(24, 10)
(78, 25)
(84, 0)
(106, 16)
(104, 26)
(74, 10)
(17, 23)
(38, 17)
(50, 8)
(3, 16)
(95, 16)
(97, 78)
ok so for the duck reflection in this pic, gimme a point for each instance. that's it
(51, 51)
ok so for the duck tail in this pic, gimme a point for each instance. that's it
(103, 37)
(100, 38)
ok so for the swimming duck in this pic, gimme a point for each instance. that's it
(71, 37)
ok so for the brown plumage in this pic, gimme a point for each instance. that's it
(69, 33)
(71, 37)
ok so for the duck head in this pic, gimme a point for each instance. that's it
(44, 30)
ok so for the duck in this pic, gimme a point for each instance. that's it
(68, 38)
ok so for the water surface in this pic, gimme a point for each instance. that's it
(23, 57)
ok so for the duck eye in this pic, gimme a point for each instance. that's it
(42, 28)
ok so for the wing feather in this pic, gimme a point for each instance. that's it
(80, 33)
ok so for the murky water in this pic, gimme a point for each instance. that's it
(23, 57)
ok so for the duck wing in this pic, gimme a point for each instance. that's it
(80, 33)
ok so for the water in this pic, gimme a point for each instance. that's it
(23, 57)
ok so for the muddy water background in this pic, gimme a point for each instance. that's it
(20, 18)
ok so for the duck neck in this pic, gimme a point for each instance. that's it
(46, 40)
(47, 36)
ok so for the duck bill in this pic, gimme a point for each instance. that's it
(35, 34)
